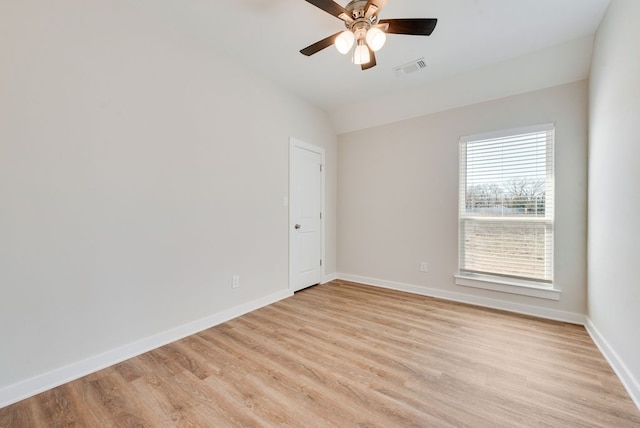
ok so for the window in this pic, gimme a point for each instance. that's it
(506, 207)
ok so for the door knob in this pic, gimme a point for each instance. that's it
(297, 226)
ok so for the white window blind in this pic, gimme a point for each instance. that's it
(506, 204)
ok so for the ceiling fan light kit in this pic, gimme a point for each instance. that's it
(344, 42)
(361, 54)
(376, 38)
(364, 30)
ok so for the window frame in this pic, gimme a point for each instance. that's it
(499, 282)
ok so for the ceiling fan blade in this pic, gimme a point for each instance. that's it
(372, 63)
(318, 46)
(414, 27)
(332, 8)
(373, 7)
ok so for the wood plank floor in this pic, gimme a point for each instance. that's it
(343, 355)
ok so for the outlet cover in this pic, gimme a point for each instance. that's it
(235, 282)
(424, 267)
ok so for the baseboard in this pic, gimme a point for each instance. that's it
(35, 385)
(519, 308)
(329, 277)
(629, 382)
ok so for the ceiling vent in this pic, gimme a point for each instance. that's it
(410, 67)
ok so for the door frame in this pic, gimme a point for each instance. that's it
(294, 144)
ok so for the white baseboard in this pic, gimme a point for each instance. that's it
(35, 385)
(629, 382)
(329, 277)
(519, 308)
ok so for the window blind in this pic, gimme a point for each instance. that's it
(506, 204)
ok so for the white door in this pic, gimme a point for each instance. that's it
(305, 215)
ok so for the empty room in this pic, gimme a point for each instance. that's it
(315, 213)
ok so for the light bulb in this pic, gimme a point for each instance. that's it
(344, 42)
(376, 38)
(361, 54)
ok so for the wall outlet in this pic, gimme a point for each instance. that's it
(424, 267)
(235, 282)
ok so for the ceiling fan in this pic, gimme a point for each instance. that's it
(364, 30)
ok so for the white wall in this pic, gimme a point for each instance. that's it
(398, 197)
(614, 189)
(139, 171)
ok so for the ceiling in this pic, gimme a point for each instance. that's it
(266, 36)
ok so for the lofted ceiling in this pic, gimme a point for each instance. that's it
(266, 36)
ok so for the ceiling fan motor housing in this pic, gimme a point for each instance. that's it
(360, 22)
(356, 7)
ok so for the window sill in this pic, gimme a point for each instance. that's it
(508, 286)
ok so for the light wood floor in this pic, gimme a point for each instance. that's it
(345, 355)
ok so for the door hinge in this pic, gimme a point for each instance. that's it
(320, 262)
(320, 167)
(320, 216)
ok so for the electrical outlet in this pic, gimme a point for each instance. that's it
(424, 267)
(235, 282)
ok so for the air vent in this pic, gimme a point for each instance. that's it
(410, 67)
